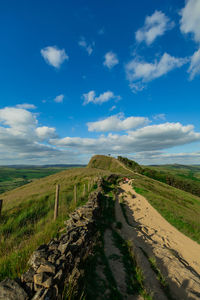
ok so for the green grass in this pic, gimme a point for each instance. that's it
(184, 171)
(27, 215)
(108, 163)
(178, 207)
(11, 178)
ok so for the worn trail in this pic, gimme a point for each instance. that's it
(175, 255)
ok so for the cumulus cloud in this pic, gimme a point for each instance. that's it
(26, 106)
(190, 19)
(194, 68)
(91, 97)
(54, 56)
(86, 46)
(20, 137)
(23, 141)
(45, 133)
(110, 60)
(148, 138)
(155, 25)
(140, 72)
(117, 123)
(59, 98)
(19, 120)
(159, 157)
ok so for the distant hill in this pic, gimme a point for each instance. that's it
(43, 166)
(15, 176)
(186, 178)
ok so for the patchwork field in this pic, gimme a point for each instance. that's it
(13, 177)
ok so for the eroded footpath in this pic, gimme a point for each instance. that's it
(170, 260)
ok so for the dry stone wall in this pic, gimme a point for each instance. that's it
(55, 265)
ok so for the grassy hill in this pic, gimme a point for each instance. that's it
(12, 177)
(27, 215)
(183, 171)
(108, 163)
(181, 178)
(178, 207)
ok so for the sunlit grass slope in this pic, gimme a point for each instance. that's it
(180, 208)
(11, 177)
(27, 215)
(108, 163)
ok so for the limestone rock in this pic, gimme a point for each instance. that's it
(43, 279)
(11, 290)
(37, 258)
(46, 267)
(63, 247)
(28, 276)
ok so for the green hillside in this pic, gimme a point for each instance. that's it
(108, 163)
(182, 171)
(178, 207)
(27, 215)
(181, 178)
(13, 177)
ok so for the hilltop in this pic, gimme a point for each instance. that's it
(27, 222)
(108, 163)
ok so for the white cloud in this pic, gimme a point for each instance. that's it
(20, 120)
(91, 97)
(26, 106)
(45, 133)
(194, 68)
(140, 72)
(149, 138)
(112, 108)
(158, 157)
(23, 141)
(117, 123)
(54, 56)
(159, 117)
(111, 60)
(88, 47)
(59, 98)
(20, 138)
(154, 26)
(190, 19)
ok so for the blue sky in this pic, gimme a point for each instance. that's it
(97, 77)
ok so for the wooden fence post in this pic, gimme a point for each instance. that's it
(75, 194)
(56, 202)
(88, 186)
(1, 204)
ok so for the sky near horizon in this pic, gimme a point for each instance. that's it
(84, 77)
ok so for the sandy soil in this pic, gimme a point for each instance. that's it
(177, 256)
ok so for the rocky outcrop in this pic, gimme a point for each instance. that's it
(56, 265)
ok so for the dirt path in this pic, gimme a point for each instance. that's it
(177, 256)
(115, 261)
